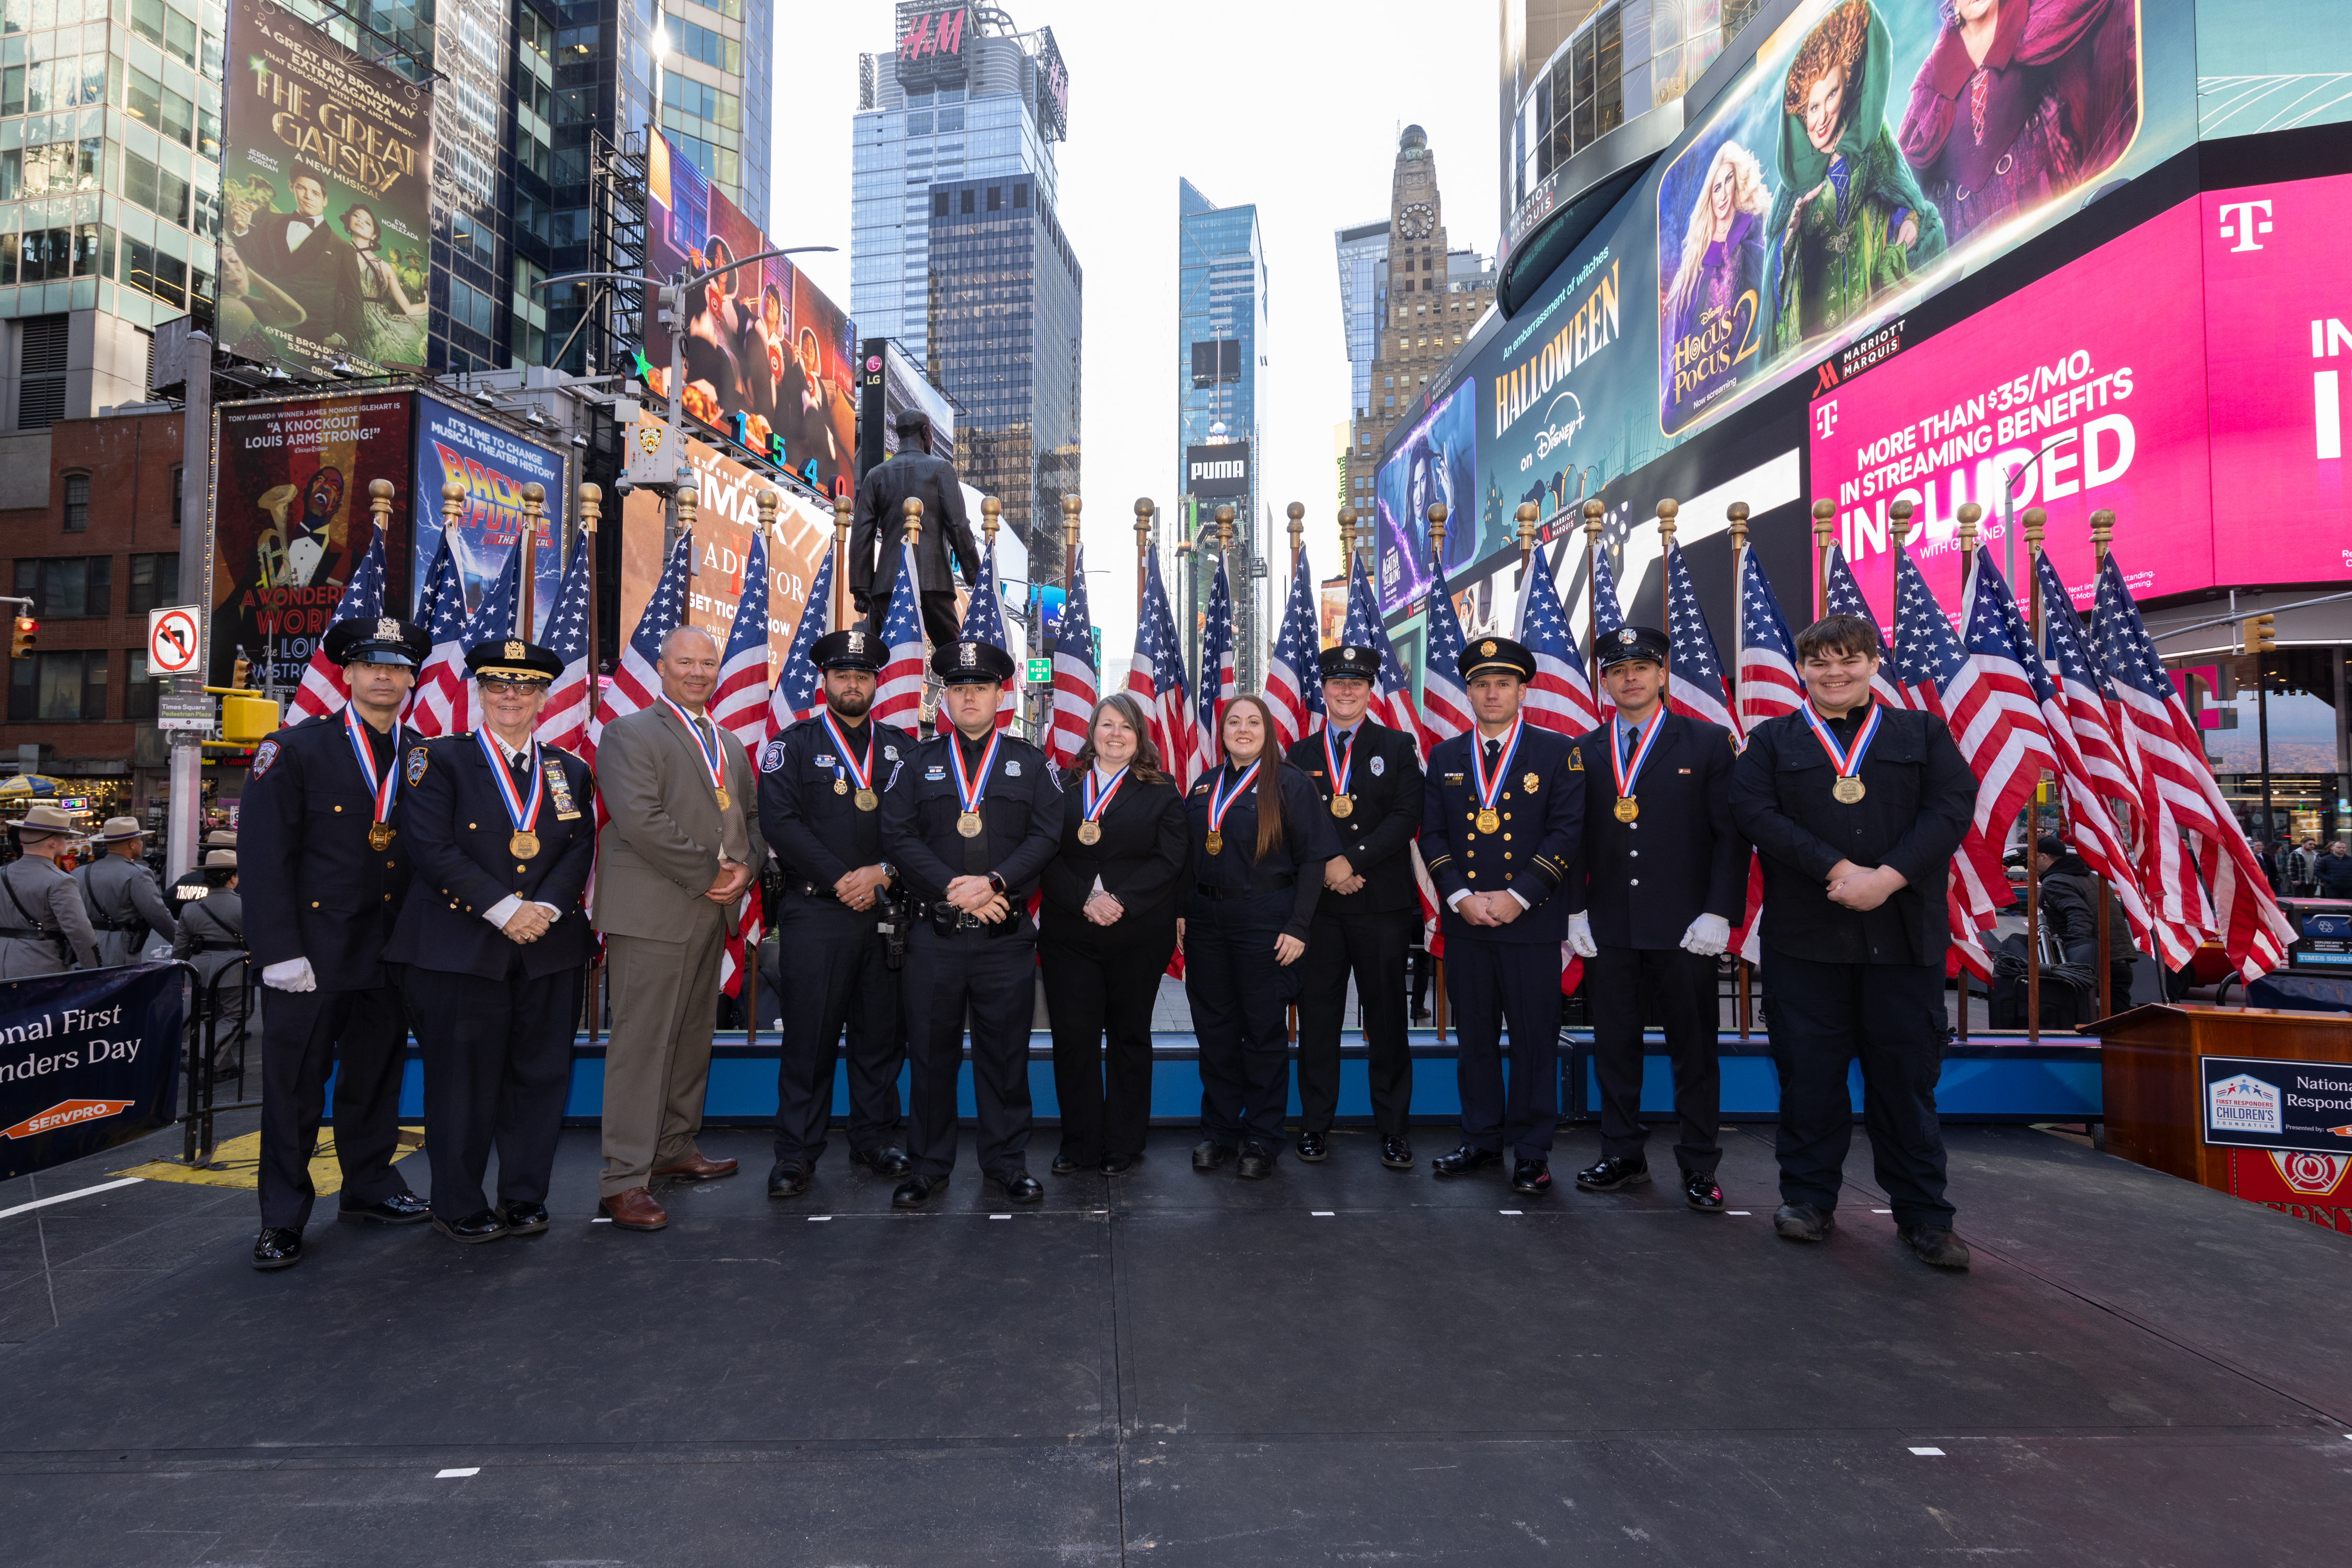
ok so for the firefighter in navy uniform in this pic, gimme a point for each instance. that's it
(820, 810)
(970, 820)
(322, 869)
(1369, 778)
(1664, 880)
(1502, 819)
(493, 943)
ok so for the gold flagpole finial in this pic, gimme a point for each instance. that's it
(1667, 510)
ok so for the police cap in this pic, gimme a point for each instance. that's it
(1496, 653)
(1350, 661)
(381, 639)
(511, 659)
(971, 664)
(853, 648)
(1628, 644)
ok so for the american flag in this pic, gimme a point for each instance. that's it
(1769, 683)
(1216, 672)
(1078, 684)
(1444, 710)
(1608, 614)
(800, 685)
(493, 621)
(1156, 676)
(740, 704)
(1560, 697)
(984, 621)
(635, 683)
(1294, 680)
(441, 611)
(323, 687)
(1694, 682)
(1928, 662)
(564, 720)
(898, 695)
(1393, 692)
(1842, 595)
(2181, 795)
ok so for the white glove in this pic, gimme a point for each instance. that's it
(290, 974)
(1708, 935)
(1579, 935)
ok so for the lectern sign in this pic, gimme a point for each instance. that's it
(2258, 1102)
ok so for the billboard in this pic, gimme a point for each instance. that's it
(291, 523)
(493, 466)
(326, 161)
(888, 382)
(1220, 471)
(770, 362)
(1436, 461)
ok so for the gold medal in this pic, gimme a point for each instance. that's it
(722, 797)
(380, 835)
(1090, 832)
(1847, 790)
(1627, 808)
(1490, 820)
(841, 787)
(867, 800)
(1342, 806)
(1215, 843)
(523, 845)
(969, 824)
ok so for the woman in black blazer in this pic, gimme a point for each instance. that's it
(1105, 928)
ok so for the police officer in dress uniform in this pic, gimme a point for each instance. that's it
(123, 901)
(970, 820)
(320, 823)
(1369, 778)
(492, 943)
(1502, 820)
(820, 810)
(44, 927)
(1664, 880)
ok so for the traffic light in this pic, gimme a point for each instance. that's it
(21, 642)
(2259, 633)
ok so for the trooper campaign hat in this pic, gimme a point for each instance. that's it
(853, 648)
(118, 829)
(1627, 644)
(971, 664)
(216, 858)
(1350, 661)
(44, 821)
(1496, 653)
(387, 639)
(511, 659)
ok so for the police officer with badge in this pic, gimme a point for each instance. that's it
(820, 810)
(492, 943)
(1369, 778)
(1501, 823)
(1664, 880)
(970, 820)
(324, 870)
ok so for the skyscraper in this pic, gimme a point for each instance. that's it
(1220, 305)
(1363, 300)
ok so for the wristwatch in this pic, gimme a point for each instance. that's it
(996, 883)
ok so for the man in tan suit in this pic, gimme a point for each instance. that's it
(681, 847)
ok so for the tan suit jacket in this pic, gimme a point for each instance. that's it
(659, 852)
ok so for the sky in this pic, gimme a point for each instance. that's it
(1292, 106)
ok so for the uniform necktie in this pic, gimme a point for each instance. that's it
(1344, 736)
(1625, 739)
(1494, 752)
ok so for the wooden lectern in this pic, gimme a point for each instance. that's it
(2154, 1100)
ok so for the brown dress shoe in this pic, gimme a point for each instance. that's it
(635, 1210)
(698, 1167)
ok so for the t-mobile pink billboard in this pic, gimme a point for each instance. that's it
(2167, 377)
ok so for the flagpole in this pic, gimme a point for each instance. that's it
(837, 613)
(1437, 567)
(1437, 544)
(1526, 518)
(1968, 514)
(1741, 1009)
(592, 508)
(1824, 526)
(1348, 546)
(1071, 505)
(1143, 510)
(1593, 513)
(2103, 529)
(534, 506)
(2033, 518)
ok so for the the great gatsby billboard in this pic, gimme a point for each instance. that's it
(326, 162)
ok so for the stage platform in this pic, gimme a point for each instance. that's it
(1339, 1365)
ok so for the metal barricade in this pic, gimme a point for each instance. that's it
(235, 983)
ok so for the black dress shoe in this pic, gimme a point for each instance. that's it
(1802, 1222)
(1532, 1177)
(279, 1247)
(1611, 1174)
(1464, 1161)
(524, 1219)
(1256, 1164)
(401, 1208)
(1209, 1154)
(1064, 1165)
(1700, 1192)
(1396, 1153)
(1021, 1187)
(888, 1161)
(790, 1178)
(1117, 1165)
(916, 1191)
(1314, 1147)
(1937, 1245)
(483, 1225)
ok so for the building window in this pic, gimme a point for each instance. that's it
(67, 588)
(138, 693)
(1020, 196)
(965, 204)
(178, 498)
(77, 503)
(58, 686)
(996, 198)
(938, 204)
(155, 583)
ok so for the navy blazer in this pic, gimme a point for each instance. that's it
(1021, 803)
(457, 827)
(1532, 851)
(1643, 882)
(313, 888)
(1385, 778)
(1308, 841)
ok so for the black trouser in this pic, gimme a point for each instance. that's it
(357, 1036)
(1491, 985)
(995, 978)
(941, 623)
(1683, 984)
(1100, 995)
(1231, 979)
(497, 1069)
(1821, 1017)
(1373, 945)
(838, 978)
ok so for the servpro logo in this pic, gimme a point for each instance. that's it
(65, 1113)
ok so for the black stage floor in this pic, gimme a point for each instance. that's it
(1178, 1370)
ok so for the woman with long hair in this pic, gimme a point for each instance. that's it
(371, 309)
(1259, 840)
(1104, 931)
(1711, 309)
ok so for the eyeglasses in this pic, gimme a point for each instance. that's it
(512, 688)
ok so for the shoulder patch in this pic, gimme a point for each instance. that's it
(264, 757)
(771, 755)
(418, 757)
(1576, 759)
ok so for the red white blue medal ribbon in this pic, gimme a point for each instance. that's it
(712, 757)
(522, 813)
(383, 792)
(1339, 775)
(1628, 772)
(1095, 801)
(864, 776)
(1221, 800)
(970, 786)
(1490, 785)
(1848, 763)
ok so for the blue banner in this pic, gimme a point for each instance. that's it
(87, 1062)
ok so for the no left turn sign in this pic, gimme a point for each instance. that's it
(171, 648)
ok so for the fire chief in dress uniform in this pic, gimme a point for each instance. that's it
(1663, 879)
(970, 821)
(820, 810)
(492, 943)
(1369, 778)
(324, 870)
(1501, 822)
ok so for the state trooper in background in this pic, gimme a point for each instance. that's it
(192, 883)
(212, 939)
(44, 927)
(120, 893)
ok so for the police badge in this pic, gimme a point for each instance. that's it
(417, 760)
(1379, 766)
